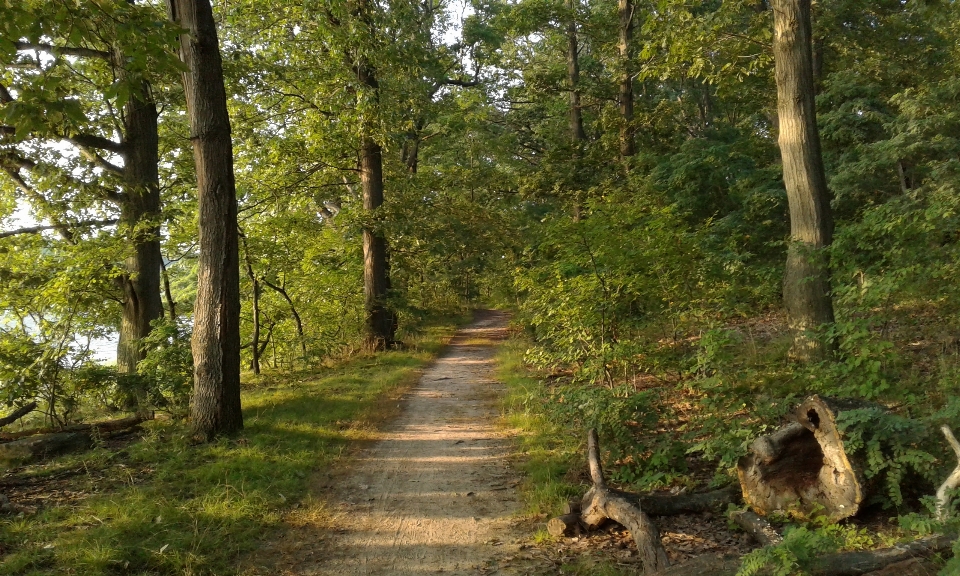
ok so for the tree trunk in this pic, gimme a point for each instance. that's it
(806, 282)
(380, 321)
(379, 324)
(573, 76)
(255, 343)
(140, 214)
(627, 145)
(215, 406)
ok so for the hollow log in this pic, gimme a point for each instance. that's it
(757, 526)
(18, 414)
(74, 439)
(601, 503)
(803, 467)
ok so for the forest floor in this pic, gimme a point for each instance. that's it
(434, 494)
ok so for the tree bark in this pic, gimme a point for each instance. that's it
(215, 406)
(380, 325)
(32, 446)
(803, 467)
(806, 282)
(627, 144)
(577, 132)
(139, 216)
(255, 342)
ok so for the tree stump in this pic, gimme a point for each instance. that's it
(803, 468)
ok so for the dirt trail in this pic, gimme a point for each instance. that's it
(435, 494)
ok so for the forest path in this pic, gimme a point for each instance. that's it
(435, 494)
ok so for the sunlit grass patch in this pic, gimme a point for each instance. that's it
(163, 506)
(548, 449)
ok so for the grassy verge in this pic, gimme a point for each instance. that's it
(549, 449)
(162, 506)
(551, 453)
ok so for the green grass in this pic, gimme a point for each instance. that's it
(163, 506)
(548, 448)
(551, 454)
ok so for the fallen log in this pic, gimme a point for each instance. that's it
(803, 467)
(863, 563)
(76, 438)
(601, 503)
(911, 567)
(106, 426)
(18, 414)
(705, 565)
(866, 561)
(756, 526)
(676, 504)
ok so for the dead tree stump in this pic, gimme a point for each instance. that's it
(803, 468)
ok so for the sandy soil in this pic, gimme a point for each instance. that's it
(435, 494)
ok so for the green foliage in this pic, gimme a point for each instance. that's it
(801, 545)
(166, 506)
(891, 447)
(167, 368)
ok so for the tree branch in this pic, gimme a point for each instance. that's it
(18, 414)
(952, 481)
(65, 50)
(36, 229)
(100, 161)
(93, 141)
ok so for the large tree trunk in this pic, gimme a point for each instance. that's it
(806, 282)
(140, 214)
(215, 406)
(573, 76)
(380, 321)
(627, 146)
